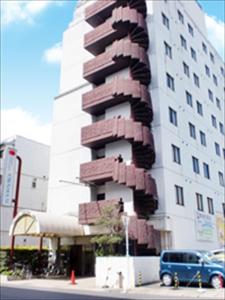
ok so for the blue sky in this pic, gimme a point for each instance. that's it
(30, 35)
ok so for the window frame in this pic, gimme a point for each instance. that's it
(179, 192)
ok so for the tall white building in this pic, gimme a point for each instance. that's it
(33, 185)
(140, 118)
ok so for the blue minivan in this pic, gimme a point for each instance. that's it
(187, 263)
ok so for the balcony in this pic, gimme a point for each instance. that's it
(90, 212)
(124, 22)
(98, 12)
(110, 169)
(118, 91)
(122, 54)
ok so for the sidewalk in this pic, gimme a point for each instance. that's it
(87, 285)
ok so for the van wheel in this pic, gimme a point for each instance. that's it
(215, 282)
(167, 279)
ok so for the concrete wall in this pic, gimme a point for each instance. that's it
(132, 268)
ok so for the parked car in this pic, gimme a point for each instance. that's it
(187, 264)
(218, 255)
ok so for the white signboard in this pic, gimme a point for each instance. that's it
(204, 227)
(8, 178)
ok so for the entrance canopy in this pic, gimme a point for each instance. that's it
(43, 224)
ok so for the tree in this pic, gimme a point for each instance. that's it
(112, 230)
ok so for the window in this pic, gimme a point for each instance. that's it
(214, 123)
(207, 71)
(221, 179)
(217, 149)
(176, 154)
(199, 200)
(193, 54)
(195, 164)
(180, 17)
(222, 71)
(215, 80)
(100, 196)
(202, 138)
(218, 103)
(173, 116)
(204, 48)
(196, 80)
(179, 195)
(165, 21)
(210, 94)
(190, 29)
(173, 257)
(168, 50)
(34, 183)
(221, 128)
(210, 206)
(186, 69)
(189, 98)
(223, 208)
(192, 130)
(183, 42)
(199, 108)
(206, 170)
(212, 57)
(224, 153)
(170, 81)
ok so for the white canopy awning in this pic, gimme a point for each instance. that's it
(35, 223)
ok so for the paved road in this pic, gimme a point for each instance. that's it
(9, 293)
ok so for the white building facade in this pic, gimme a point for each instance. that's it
(33, 185)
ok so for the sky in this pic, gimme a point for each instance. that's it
(31, 34)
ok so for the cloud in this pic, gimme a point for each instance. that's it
(216, 30)
(17, 121)
(53, 55)
(21, 10)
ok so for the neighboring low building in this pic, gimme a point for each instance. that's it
(33, 184)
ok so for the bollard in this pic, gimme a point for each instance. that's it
(72, 277)
(139, 279)
(120, 280)
(176, 281)
(199, 280)
(221, 281)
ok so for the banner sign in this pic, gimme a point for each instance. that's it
(204, 227)
(220, 225)
(8, 176)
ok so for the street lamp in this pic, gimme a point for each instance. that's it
(125, 220)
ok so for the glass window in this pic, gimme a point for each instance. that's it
(210, 94)
(212, 57)
(176, 154)
(215, 80)
(214, 123)
(180, 17)
(199, 200)
(186, 69)
(199, 108)
(217, 149)
(202, 138)
(222, 71)
(210, 206)
(189, 98)
(221, 179)
(206, 170)
(179, 195)
(175, 257)
(168, 50)
(193, 54)
(204, 48)
(223, 208)
(165, 21)
(192, 130)
(221, 128)
(170, 82)
(196, 80)
(207, 71)
(173, 116)
(190, 29)
(183, 42)
(195, 164)
(218, 103)
(191, 258)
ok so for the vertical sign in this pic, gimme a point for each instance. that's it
(204, 227)
(9, 174)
